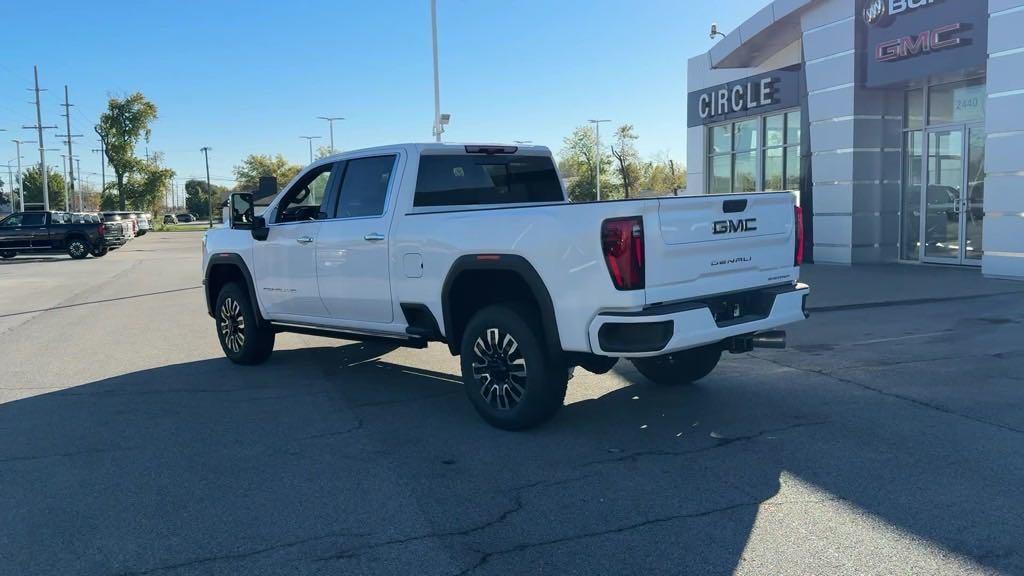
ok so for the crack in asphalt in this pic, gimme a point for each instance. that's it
(517, 505)
(93, 451)
(881, 392)
(404, 400)
(354, 428)
(721, 443)
(488, 556)
(239, 555)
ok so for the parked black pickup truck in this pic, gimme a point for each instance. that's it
(42, 232)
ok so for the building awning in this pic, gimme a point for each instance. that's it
(762, 36)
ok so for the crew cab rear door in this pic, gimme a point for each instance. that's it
(720, 243)
(352, 251)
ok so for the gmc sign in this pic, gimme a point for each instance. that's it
(925, 42)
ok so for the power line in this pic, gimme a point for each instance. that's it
(42, 149)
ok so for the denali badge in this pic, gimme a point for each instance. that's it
(733, 226)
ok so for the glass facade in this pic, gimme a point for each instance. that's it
(756, 153)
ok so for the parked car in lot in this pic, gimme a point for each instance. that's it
(170, 219)
(127, 225)
(478, 247)
(185, 218)
(144, 220)
(48, 232)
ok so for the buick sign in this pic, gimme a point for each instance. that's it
(877, 12)
(874, 11)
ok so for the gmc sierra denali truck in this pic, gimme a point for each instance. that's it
(478, 247)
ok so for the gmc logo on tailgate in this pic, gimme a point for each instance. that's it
(734, 226)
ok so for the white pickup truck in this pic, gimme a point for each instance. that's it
(477, 247)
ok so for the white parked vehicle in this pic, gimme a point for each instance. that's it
(477, 247)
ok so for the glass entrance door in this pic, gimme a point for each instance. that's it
(953, 195)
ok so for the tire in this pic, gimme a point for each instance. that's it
(683, 367)
(100, 252)
(243, 339)
(511, 377)
(8, 254)
(78, 248)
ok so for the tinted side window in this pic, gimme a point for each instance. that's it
(33, 219)
(12, 220)
(364, 189)
(307, 196)
(458, 180)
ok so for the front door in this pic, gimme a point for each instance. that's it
(285, 263)
(952, 214)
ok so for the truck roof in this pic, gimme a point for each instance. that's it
(443, 147)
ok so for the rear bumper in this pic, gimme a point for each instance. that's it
(679, 326)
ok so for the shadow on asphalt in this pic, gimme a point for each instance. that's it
(336, 461)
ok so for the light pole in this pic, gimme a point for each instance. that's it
(330, 120)
(437, 80)
(209, 189)
(310, 140)
(597, 129)
(21, 190)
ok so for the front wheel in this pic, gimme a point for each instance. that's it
(78, 248)
(512, 379)
(243, 339)
(8, 254)
(682, 367)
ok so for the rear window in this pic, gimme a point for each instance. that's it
(466, 180)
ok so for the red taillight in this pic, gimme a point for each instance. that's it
(622, 240)
(798, 218)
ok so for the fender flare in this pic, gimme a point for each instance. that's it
(234, 261)
(503, 262)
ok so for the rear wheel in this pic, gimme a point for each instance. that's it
(680, 367)
(512, 379)
(8, 254)
(243, 339)
(78, 248)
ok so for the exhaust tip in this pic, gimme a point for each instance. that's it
(775, 339)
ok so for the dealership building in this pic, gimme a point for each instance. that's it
(901, 123)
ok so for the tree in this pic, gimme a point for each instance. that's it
(628, 159)
(248, 173)
(323, 152)
(663, 176)
(197, 201)
(578, 164)
(125, 122)
(146, 187)
(33, 183)
(5, 198)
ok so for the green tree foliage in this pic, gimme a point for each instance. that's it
(121, 127)
(248, 173)
(322, 152)
(33, 183)
(109, 202)
(578, 164)
(146, 187)
(196, 199)
(627, 159)
(663, 176)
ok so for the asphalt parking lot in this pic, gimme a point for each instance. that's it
(886, 440)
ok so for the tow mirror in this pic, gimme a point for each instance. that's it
(240, 211)
(259, 228)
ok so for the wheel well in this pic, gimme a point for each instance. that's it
(217, 277)
(474, 289)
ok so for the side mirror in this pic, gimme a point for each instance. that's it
(240, 211)
(259, 228)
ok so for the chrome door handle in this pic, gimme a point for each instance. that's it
(304, 240)
(373, 237)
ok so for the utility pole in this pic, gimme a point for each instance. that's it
(21, 189)
(10, 184)
(78, 167)
(310, 139)
(42, 149)
(103, 167)
(597, 128)
(64, 167)
(71, 169)
(209, 188)
(330, 120)
(437, 79)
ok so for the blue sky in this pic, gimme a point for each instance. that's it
(252, 77)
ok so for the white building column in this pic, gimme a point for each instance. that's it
(1003, 234)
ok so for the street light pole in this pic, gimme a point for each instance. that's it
(209, 189)
(330, 120)
(597, 129)
(437, 80)
(310, 140)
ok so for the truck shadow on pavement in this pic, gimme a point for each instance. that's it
(336, 461)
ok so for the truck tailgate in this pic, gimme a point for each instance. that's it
(718, 244)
